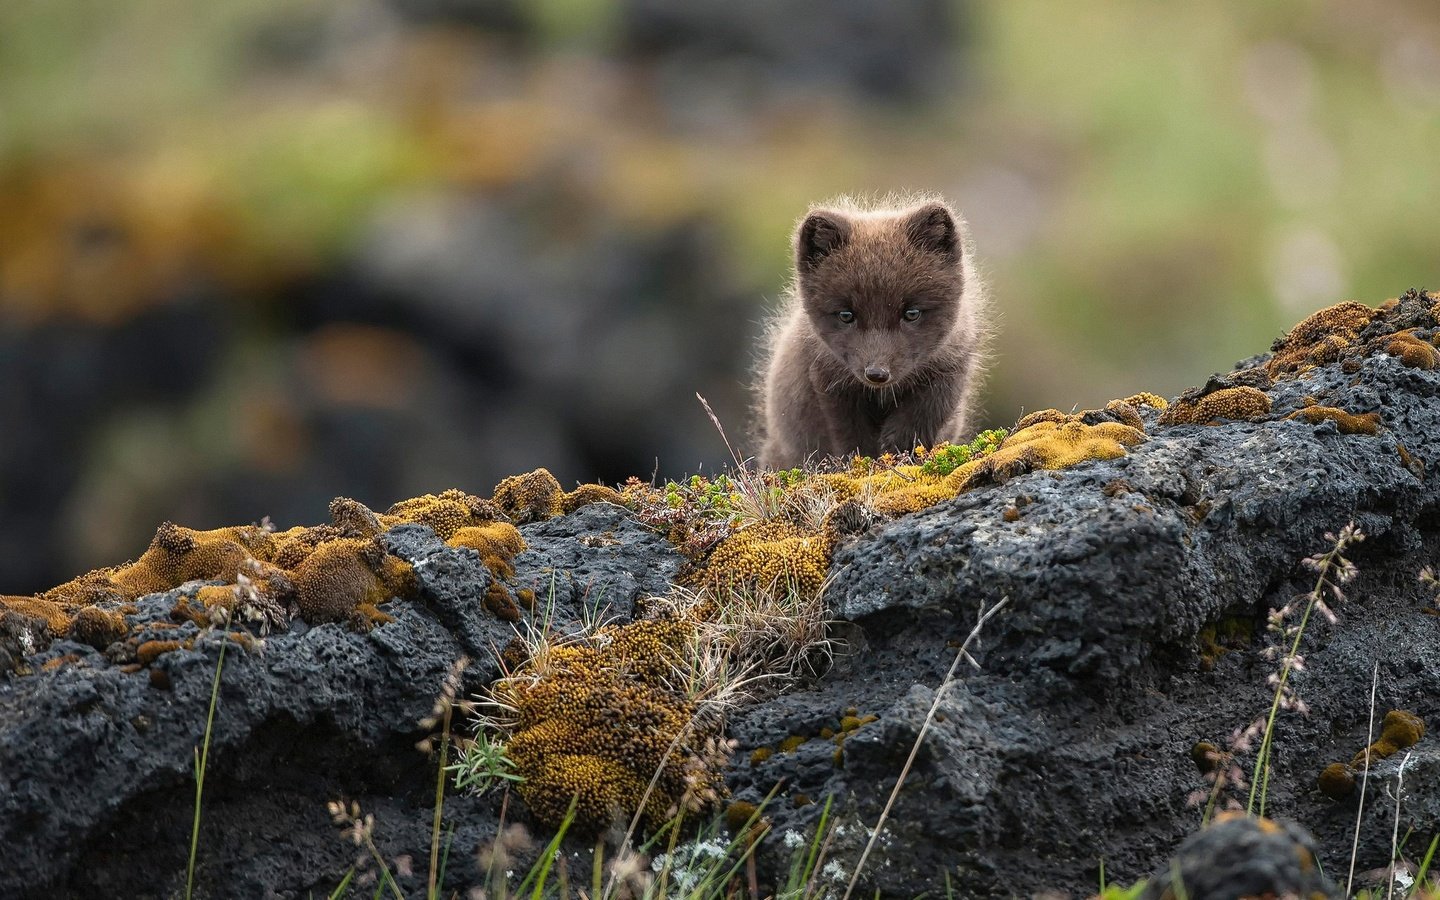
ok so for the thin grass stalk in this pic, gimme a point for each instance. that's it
(962, 653)
(1425, 866)
(537, 876)
(645, 797)
(1364, 781)
(344, 885)
(202, 762)
(432, 883)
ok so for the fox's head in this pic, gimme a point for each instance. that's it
(882, 290)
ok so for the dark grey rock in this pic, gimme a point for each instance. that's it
(1068, 746)
(599, 560)
(1244, 858)
(1072, 744)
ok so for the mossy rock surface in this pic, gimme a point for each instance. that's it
(1071, 743)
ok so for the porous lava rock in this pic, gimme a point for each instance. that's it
(1136, 594)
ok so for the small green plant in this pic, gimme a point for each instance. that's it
(481, 765)
(946, 458)
(1115, 892)
(1333, 570)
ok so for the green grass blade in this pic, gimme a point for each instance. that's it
(200, 770)
(343, 886)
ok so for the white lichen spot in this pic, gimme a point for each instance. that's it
(834, 871)
(793, 839)
(691, 865)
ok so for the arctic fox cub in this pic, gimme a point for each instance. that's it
(880, 344)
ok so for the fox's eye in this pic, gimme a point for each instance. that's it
(911, 314)
(845, 316)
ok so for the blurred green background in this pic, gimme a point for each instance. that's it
(255, 254)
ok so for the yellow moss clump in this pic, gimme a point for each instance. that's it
(333, 572)
(586, 494)
(1246, 404)
(1145, 398)
(1336, 781)
(56, 619)
(497, 543)
(97, 627)
(532, 497)
(595, 721)
(353, 518)
(1126, 414)
(1347, 422)
(768, 556)
(150, 651)
(294, 545)
(500, 603)
(1400, 729)
(1042, 415)
(177, 555)
(344, 580)
(1045, 439)
(1413, 352)
(1319, 338)
(446, 512)
(1049, 445)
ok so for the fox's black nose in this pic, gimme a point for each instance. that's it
(877, 374)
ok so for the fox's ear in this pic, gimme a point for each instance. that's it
(932, 228)
(821, 234)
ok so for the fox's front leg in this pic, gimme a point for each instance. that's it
(922, 417)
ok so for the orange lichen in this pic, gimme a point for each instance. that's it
(1319, 338)
(532, 497)
(149, 651)
(1413, 352)
(1239, 403)
(1347, 422)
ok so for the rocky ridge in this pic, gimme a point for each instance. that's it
(1137, 581)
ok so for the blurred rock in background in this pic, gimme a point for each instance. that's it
(254, 255)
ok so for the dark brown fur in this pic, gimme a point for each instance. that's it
(881, 381)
